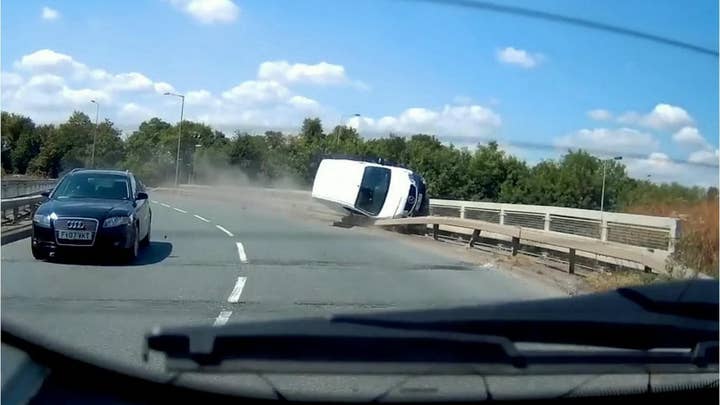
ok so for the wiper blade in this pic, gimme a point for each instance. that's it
(452, 340)
(321, 342)
(671, 315)
(320, 345)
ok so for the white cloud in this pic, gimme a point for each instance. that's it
(662, 169)
(600, 114)
(520, 57)
(304, 103)
(48, 86)
(162, 87)
(209, 11)
(201, 98)
(690, 137)
(49, 14)
(134, 113)
(257, 91)
(609, 140)
(663, 117)
(284, 72)
(451, 121)
(49, 61)
(132, 81)
(10, 80)
(704, 156)
(79, 97)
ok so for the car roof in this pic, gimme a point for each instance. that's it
(101, 171)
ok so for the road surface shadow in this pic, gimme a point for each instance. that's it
(155, 252)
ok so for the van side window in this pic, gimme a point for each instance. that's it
(373, 189)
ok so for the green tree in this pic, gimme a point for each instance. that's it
(147, 156)
(248, 152)
(312, 130)
(14, 127)
(109, 146)
(66, 148)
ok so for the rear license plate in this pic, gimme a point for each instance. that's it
(75, 235)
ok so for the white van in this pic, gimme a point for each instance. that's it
(375, 190)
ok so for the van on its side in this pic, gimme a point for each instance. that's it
(371, 189)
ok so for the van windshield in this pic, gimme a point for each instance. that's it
(373, 189)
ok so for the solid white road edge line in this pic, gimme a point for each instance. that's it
(179, 210)
(241, 252)
(200, 218)
(165, 205)
(224, 230)
(222, 318)
(237, 290)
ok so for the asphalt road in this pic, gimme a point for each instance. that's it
(213, 262)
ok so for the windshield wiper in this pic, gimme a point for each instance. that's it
(668, 315)
(453, 340)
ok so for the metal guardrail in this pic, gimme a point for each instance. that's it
(13, 209)
(517, 233)
(635, 230)
(22, 187)
(21, 196)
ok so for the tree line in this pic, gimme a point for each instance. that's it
(485, 174)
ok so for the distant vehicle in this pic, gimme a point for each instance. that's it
(370, 188)
(93, 210)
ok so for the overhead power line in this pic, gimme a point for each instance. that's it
(581, 22)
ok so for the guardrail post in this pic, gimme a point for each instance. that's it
(571, 261)
(603, 230)
(462, 211)
(16, 214)
(547, 221)
(474, 237)
(515, 245)
(502, 216)
(436, 228)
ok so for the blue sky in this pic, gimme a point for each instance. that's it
(467, 76)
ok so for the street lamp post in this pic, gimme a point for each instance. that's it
(177, 157)
(602, 193)
(97, 112)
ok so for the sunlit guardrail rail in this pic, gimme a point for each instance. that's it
(636, 230)
(14, 209)
(516, 234)
(24, 187)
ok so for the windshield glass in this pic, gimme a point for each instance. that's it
(93, 185)
(373, 189)
(220, 162)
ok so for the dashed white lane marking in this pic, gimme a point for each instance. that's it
(200, 218)
(224, 230)
(165, 205)
(222, 318)
(153, 201)
(237, 290)
(241, 252)
(179, 210)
